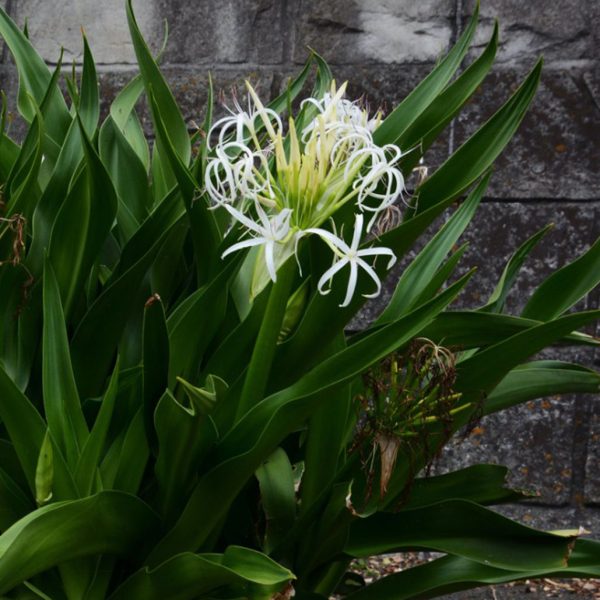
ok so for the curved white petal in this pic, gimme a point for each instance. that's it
(351, 283)
(337, 266)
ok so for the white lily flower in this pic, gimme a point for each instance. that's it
(352, 256)
(243, 123)
(269, 231)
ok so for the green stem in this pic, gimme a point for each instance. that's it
(264, 350)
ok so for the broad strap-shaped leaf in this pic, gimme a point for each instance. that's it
(278, 496)
(425, 93)
(454, 573)
(91, 454)
(61, 399)
(474, 329)
(497, 299)
(326, 440)
(204, 230)
(442, 275)
(107, 523)
(428, 126)
(156, 86)
(188, 576)
(480, 373)
(89, 102)
(259, 367)
(34, 78)
(200, 312)
(416, 276)
(185, 434)
(132, 458)
(122, 112)
(462, 528)
(539, 379)
(155, 362)
(478, 153)
(483, 484)
(261, 430)
(565, 287)
(26, 430)
(82, 226)
(128, 175)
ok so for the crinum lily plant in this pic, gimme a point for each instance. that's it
(185, 412)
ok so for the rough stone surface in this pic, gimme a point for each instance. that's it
(564, 31)
(592, 470)
(374, 31)
(223, 31)
(533, 440)
(56, 24)
(555, 153)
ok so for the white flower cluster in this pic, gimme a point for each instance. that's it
(281, 188)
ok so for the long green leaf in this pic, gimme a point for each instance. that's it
(205, 233)
(91, 454)
(82, 226)
(462, 528)
(188, 576)
(428, 126)
(156, 86)
(565, 287)
(453, 574)
(538, 380)
(122, 111)
(200, 312)
(478, 153)
(278, 496)
(473, 329)
(89, 102)
(421, 97)
(484, 484)
(26, 430)
(483, 371)
(155, 361)
(417, 275)
(128, 175)
(61, 399)
(34, 78)
(497, 299)
(107, 523)
(184, 434)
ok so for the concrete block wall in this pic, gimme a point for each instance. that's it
(549, 173)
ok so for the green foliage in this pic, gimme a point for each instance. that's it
(166, 434)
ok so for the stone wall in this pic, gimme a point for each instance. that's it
(549, 173)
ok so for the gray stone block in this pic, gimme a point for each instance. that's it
(56, 24)
(372, 31)
(561, 31)
(592, 466)
(555, 153)
(223, 31)
(533, 440)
